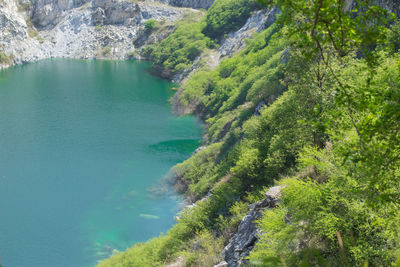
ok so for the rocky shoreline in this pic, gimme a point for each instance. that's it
(114, 29)
(82, 29)
(100, 29)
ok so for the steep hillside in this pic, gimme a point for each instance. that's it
(309, 105)
(301, 153)
(38, 29)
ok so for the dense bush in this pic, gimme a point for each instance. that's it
(177, 52)
(149, 25)
(225, 16)
(343, 207)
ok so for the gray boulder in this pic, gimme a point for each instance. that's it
(99, 16)
(248, 233)
(47, 13)
(118, 12)
(205, 4)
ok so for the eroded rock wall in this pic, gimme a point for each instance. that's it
(38, 29)
(197, 4)
(248, 232)
(205, 4)
(47, 13)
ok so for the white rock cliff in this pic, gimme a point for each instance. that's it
(36, 29)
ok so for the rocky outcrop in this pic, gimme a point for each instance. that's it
(257, 110)
(145, 38)
(259, 21)
(14, 36)
(160, 12)
(38, 29)
(114, 12)
(47, 13)
(248, 233)
(205, 4)
(222, 264)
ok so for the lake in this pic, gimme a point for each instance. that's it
(84, 149)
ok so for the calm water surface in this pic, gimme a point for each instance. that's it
(83, 146)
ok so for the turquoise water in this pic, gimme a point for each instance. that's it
(83, 147)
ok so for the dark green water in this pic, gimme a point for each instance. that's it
(83, 145)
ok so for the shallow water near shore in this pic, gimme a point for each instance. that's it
(84, 145)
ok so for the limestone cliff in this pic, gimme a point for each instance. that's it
(191, 3)
(38, 29)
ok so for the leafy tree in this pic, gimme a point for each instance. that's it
(317, 26)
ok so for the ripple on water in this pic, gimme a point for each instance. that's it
(84, 145)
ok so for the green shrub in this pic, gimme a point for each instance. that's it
(178, 51)
(204, 250)
(225, 16)
(343, 207)
(149, 25)
(5, 59)
(106, 51)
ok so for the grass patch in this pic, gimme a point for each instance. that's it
(6, 59)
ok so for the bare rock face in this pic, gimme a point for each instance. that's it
(99, 16)
(257, 110)
(196, 4)
(14, 39)
(118, 12)
(222, 264)
(248, 233)
(259, 21)
(10, 24)
(31, 30)
(205, 4)
(47, 13)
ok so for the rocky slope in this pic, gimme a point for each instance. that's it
(259, 21)
(205, 4)
(248, 233)
(38, 29)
